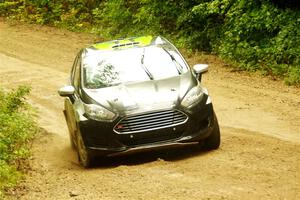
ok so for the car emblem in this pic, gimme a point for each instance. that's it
(120, 126)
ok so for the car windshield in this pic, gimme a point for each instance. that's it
(109, 68)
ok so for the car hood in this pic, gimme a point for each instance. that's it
(143, 96)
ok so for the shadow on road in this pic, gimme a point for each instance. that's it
(170, 154)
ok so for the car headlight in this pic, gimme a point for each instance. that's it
(192, 97)
(98, 113)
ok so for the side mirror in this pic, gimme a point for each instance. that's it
(66, 91)
(200, 69)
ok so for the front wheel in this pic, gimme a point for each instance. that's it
(71, 131)
(214, 139)
(84, 156)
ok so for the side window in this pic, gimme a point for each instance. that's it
(73, 70)
(76, 73)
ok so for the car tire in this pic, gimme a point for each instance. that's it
(73, 146)
(84, 156)
(214, 139)
(72, 143)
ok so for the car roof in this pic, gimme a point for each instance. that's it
(126, 43)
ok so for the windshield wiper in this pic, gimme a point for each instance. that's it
(145, 68)
(177, 64)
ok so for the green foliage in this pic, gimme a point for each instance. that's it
(293, 77)
(256, 34)
(17, 128)
(114, 17)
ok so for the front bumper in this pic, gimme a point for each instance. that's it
(100, 138)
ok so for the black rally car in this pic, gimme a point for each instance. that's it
(135, 94)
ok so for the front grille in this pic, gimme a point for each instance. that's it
(165, 137)
(150, 121)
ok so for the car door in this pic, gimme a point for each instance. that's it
(70, 110)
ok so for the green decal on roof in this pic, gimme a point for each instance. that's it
(104, 45)
(145, 40)
(125, 43)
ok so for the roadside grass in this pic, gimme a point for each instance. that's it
(17, 129)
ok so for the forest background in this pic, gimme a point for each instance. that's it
(254, 35)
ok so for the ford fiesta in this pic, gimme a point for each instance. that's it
(135, 94)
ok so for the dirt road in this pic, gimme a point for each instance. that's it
(260, 124)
